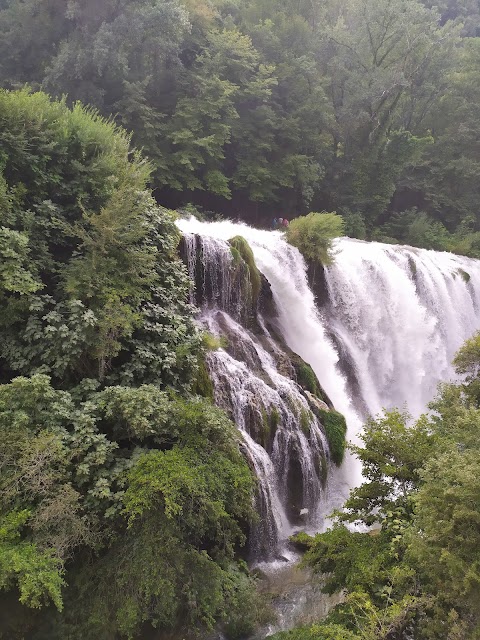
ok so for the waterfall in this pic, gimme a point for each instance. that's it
(383, 335)
(288, 458)
(399, 314)
(254, 381)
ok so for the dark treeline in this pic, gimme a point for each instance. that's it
(370, 108)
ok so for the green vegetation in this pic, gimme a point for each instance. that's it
(318, 632)
(203, 385)
(270, 420)
(365, 107)
(100, 292)
(305, 420)
(467, 363)
(274, 418)
(313, 235)
(335, 430)
(124, 500)
(123, 497)
(307, 379)
(301, 540)
(212, 343)
(243, 250)
(415, 572)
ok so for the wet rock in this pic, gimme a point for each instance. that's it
(315, 403)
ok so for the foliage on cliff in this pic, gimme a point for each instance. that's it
(123, 498)
(415, 573)
(336, 431)
(313, 235)
(246, 254)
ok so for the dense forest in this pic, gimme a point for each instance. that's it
(256, 108)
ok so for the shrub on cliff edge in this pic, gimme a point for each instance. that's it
(313, 235)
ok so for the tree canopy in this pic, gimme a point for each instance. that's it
(367, 108)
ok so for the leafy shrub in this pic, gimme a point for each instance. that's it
(317, 632)
(92, 258)
(313, 235)
(203, 385)
(302, 540)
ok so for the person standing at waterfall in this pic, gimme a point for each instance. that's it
(285, 222)
(274, 223)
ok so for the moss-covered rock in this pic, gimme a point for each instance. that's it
(307, 379)
(318, 282)
(305, 420)
(241, 250)
(315, 403)
(274, 418)
(270, 421)
(203, 385)
(335, 430)
(266, 303)
(212, 343)
(302, 541)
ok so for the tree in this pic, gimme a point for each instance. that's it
(378, 54)
(104, 482)
(363, 107)
(447, 176)
(131, 474)
(447, 551)
(414, 571)
(392, 457)
(103, 254)
(467, 363)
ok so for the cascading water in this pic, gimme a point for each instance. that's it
(269, 407)
(299, 324)
(252, 379)
(396, 315)
(382, 333)
(399, 314)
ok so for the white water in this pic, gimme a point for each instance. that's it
(252, 379)
(399, 313)
(250, 390)
(396, 314)
(300, 323)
